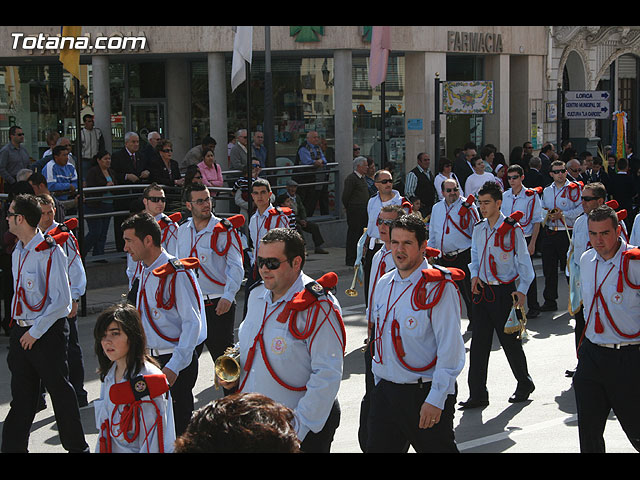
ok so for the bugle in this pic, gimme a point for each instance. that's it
(352, 292)
(227, 366)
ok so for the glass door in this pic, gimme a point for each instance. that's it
(146, 117)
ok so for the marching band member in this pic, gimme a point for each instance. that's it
(170, 304)
(561, 206)
(450, 231)
(608, 353)
(37, 345)
(418, 349)
(292, 340)
(382, 263)
(501, 272)
(155, 202)
(525, 200)
(216, 244)
(134, 413)
(78, 285)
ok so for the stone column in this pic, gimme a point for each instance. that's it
(342, 65)
(102, 98)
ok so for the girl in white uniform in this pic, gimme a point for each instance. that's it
(134, 413)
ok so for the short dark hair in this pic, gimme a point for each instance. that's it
(599, 190)
(208, 140)
(12, 130)
(443, 162)
(192, 187)
(261, 182)
(515, 168)
(412, 223)
(602, 213)
(293, 242)
(58, 149)
(28, 206)
(144, 224)
(557, 163)
(491, 188)
(240, 423)
(37, 179)
(154, 186)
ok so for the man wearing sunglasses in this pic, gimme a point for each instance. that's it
(170, 303)
(13, 157)
(37, 347)
(221, 269)
(382, 263)
(288, 358)
(561, 205)
(155, 201)
(450, 231)
(386, 196)
(525, 200)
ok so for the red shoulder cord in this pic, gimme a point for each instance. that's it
(573, 187)
(48, 243)
(631, 254)
(529, 193)
(279, 212)
(163, 273)
(304, 300)
(131, 417)
(466, 214)
(420, 301)
(229, 225)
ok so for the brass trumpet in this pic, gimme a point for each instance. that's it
(352, 292)
(227, 366)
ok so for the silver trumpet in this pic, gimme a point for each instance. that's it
(227, 366)
(352, 292)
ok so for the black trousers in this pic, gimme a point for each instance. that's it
(607, 379)
(46, 361)
(555, 245)
(532, 293)
(461, 261)
(394, 421)
(491, 310)
(321, 441)
(356, 223)
(182, 391)
(75, 360)
(367, 259)
(219, 328)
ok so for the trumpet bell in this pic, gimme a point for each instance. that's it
(227, 366)
(351, 292)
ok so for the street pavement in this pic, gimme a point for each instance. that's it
(547, 423)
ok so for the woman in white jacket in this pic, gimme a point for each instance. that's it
(134, 413)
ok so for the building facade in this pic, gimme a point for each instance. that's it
(177, 81)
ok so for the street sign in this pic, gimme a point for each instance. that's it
(582, 105)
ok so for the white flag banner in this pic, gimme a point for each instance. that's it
(242, 50)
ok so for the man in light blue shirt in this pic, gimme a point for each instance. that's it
(526, 200)
(501, 272)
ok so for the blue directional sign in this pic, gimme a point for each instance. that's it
(582, 105)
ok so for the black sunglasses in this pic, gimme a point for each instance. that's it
(559, 171)
(156, 199)
(449, 190)
(385, 181)
(271, 263)
(388, 223)
(589, 199)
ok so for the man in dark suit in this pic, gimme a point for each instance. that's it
(462, 165)
(130, 169)
(533, 178)
(624, 189)
(355, 196)
(547, 155)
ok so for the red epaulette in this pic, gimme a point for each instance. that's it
(613, 204)
(508, 225)
(432, 252)
(406, 204)
(226, 224)
(280, 211)
(125, 393)
(174, 217)
(467, 204)
(305, 298)
(530, 191)
(175, 265)
(431, 275)
(67, 226)
(51, 240)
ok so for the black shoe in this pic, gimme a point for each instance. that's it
(472, 403)
(523, 396)
(549, 307)
(533, 313)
